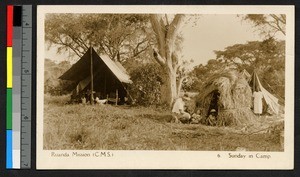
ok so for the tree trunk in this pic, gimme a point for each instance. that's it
(168, 88)
(165, 54)
(179, 87)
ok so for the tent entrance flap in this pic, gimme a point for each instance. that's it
(270, 101)
(82, 85)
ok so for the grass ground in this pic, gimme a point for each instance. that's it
(128, 128)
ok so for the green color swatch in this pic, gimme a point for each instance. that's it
(8, 109)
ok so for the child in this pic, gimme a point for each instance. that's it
(196, 117)
(83, 100)
(212, 120)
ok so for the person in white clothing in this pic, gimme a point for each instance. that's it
(258, 96)
(178, 109)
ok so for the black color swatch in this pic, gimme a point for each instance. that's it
(17, 16)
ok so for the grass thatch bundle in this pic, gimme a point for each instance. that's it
(231, 95)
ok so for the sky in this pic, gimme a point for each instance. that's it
(212, 32)
(215, 32)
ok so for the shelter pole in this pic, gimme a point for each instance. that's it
(92, 79)
(105, 83)
(117, 96)
(254, 81)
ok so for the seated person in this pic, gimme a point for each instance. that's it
(180, 114)
(196, 117)
(83, 100)
(212, 119)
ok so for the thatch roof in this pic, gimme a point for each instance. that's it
(234, 90)
(235, 99)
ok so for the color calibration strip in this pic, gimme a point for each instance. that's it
(9, 69)
(18, 100)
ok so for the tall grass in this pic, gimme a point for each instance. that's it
(98, 127)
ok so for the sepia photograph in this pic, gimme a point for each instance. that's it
(164, 81)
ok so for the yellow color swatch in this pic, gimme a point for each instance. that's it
(9, 66)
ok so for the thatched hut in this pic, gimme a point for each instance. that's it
(230, 95)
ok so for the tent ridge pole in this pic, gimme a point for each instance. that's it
(92, 79)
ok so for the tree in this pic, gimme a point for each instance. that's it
(266, 57)
(202, 73)
(166, 53)
(120, 36)
(254, 54)
(147, 82)
(124, 36)
(267, 24)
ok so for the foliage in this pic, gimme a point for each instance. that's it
(53, 85)
(202, 73)
(256, 54)
(266, 57)
(124, 38)
(147, 82)
(267, 24)
(120, 36)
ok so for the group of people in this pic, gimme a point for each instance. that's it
(182, 116)
(85, 98)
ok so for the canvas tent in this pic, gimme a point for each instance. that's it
(270, 101)
(109, 78)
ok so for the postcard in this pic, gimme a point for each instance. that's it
(165, 87)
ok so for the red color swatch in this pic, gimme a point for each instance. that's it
(9, 24)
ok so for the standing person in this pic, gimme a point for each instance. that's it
(178, 109)
(258, 96)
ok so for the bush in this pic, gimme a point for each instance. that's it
(146, 86)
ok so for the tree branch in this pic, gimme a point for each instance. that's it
(68, 45)
(158, 58)
(136, 50)
(278, 18)
(174, 27)
(159, 33)
(179, 85)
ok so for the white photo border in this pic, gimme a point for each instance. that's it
(141, 159)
